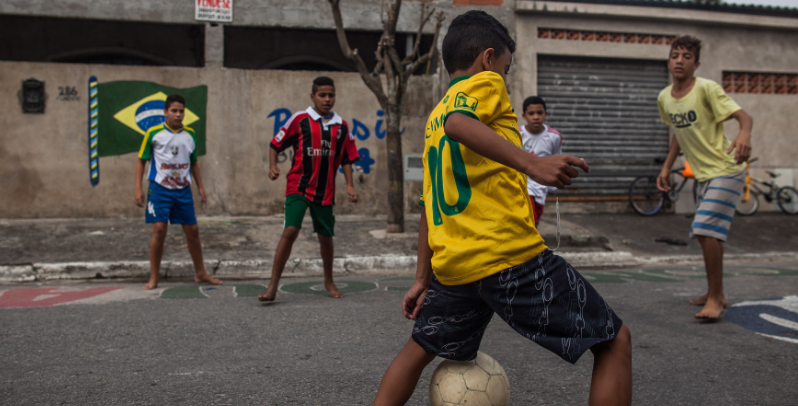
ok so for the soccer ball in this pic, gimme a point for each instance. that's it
(481, 382)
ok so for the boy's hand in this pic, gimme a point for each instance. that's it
(203, 195)
(352, 194)
(663, 183)
(274, 173)
(139, 199)
(414, 300)
(555, 170)
(741, 147)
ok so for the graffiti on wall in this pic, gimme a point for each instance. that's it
(361, 131)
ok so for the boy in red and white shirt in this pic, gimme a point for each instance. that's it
(322, 143)
(540, 140)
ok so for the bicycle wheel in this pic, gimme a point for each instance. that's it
(644, 196)
(788, 200)
(750, 206)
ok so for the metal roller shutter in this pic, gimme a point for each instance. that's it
(606, 110)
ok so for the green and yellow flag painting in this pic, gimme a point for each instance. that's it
(120, 113)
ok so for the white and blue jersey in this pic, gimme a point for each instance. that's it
(171, 154)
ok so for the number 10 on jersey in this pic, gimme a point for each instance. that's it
(435, 166)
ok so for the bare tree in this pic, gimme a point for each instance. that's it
(397, 73)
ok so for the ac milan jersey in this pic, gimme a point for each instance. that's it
(172, 153)
(320, 147)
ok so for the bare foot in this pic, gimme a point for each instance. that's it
(268, 296)
(207, 279)
(334, 292)
(711, 311)
(152, 284)
(703, 300)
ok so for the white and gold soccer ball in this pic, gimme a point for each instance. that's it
(481, 382)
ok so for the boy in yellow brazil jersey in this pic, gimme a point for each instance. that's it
(478, 250)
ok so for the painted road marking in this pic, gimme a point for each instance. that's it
(780, 321)
(184, 292)
(248, 290)
(313, 287)
(774, 318)
(44, 297)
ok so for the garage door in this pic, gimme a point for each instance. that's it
(606, 110)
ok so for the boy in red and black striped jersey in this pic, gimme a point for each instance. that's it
(322, 142)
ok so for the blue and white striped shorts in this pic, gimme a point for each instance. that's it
(717, 200)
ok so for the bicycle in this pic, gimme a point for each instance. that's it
(647, 200)
(786, 197)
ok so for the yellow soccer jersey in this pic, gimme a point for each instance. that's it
(478, 211)
(697, 121)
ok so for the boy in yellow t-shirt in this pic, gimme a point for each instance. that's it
(477, 234)
(696, 108)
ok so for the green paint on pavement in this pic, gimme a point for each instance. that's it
(399, 278)
(678, 273)
(398, 289)
(596, 277)
(248, 290)
(317, 288)
(183, 292)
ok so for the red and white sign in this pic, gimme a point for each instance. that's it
(219, 11)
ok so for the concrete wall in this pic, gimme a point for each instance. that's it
(357, 14)
(43, 157)
(730, 44)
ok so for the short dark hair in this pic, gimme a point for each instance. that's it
(321, 81)
(689, 43)
(534, 100)
(173, 98)
(469, 35)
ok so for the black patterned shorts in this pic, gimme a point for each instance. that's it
(544, 299)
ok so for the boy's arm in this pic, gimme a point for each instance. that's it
(195, 173)
(350, 187)
(274, 171)
(139, 194)
(414, 298)
(742, 144)
(553, 170)
(662, 179)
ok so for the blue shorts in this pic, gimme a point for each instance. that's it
(175, 206)
(543, 299)
(717, 201)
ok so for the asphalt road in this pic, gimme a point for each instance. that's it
(114, 344)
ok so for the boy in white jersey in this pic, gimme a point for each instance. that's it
(540, 140)
(696, 108)
(171, 148)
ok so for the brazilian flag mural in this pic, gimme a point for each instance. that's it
(121, 112)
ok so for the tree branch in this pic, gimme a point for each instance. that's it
(424, 18)
(428, 56)
(372, 82)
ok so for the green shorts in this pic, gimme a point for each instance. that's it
(322, 216)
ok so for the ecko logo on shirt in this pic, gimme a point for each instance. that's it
(682, 120)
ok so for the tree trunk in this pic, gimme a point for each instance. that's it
(396, 199)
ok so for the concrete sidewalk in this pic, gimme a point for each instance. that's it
(243, 247)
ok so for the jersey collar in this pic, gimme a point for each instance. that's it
(458, 79)
(336, 119)
(170, 129)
